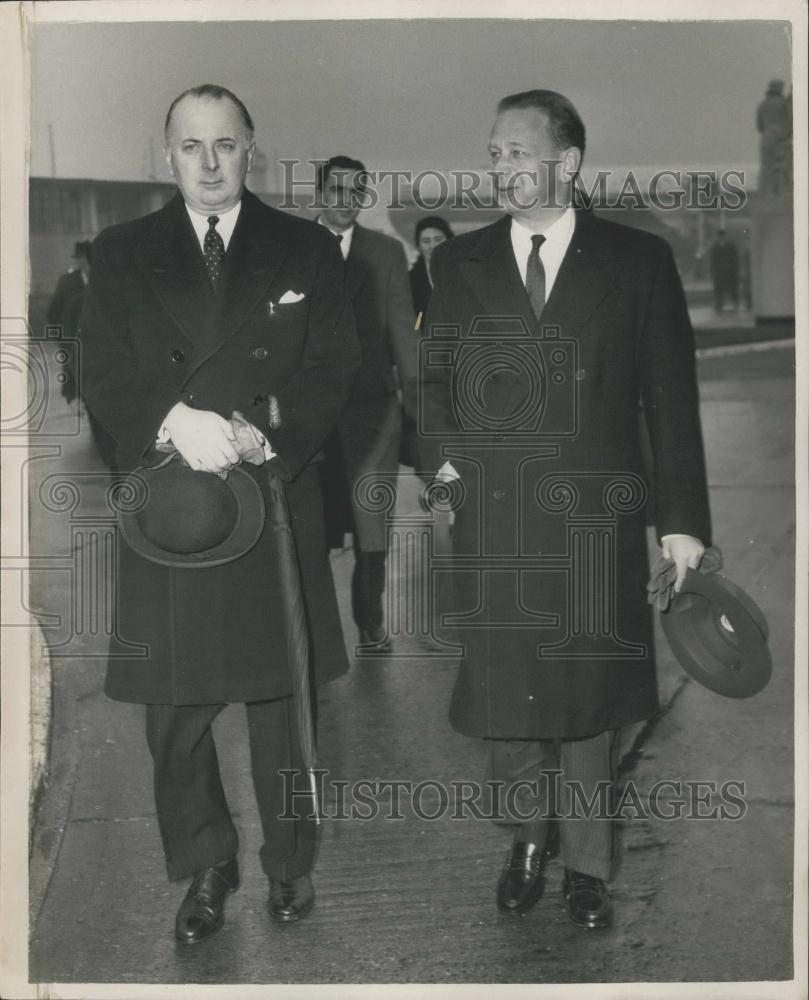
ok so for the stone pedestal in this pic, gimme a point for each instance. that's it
(772, 259)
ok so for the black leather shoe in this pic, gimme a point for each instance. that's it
(291, 900)
(522, 880)
(376, 638)
(202, 912)
(587, 900)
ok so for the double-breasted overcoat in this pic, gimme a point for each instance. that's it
(153, 333)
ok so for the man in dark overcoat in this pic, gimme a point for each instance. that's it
(724, 271)
(544, 332)
(365, 445)
(214, 304)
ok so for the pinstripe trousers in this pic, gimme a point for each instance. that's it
(192, 812)
(559, 778)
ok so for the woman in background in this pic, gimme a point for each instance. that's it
(430, 231)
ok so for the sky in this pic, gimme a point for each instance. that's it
(403, 94)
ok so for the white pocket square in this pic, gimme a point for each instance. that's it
(289, 297)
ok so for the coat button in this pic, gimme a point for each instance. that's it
(177, 357)
(499, 494)
(260, 353)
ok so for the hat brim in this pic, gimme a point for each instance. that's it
(719, 635)
(250, 521)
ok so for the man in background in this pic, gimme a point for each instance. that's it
(367, 438)
(724, 271)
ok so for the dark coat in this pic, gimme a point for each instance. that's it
(420, 287)
(153, 333)
(69, 284)
(367, 437)
(550, 649)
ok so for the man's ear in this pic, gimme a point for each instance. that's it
(251, 152)
(167, 156)
(571, 162)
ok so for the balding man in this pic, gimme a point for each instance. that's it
(215, 304)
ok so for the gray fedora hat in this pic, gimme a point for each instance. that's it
(719, 635)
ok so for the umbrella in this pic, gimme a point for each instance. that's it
(297, 634)
(251, 449)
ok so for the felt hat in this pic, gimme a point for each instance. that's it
(192, 519)
(719, 635)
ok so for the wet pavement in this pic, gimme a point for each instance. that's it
(411, 900)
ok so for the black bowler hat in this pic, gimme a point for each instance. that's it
(192, 519)
(719, 635)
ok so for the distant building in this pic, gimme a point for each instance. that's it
(62, 211)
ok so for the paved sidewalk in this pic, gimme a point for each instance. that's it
(409, 900)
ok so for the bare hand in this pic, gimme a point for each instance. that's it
(205, 440)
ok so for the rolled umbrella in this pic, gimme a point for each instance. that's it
(297, 634)
(250, 446)
(251, 449)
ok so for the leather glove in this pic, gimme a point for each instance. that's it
(664, 575)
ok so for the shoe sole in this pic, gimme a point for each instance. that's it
(599, 926)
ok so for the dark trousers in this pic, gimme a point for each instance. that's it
(367, 585)
(542, 775)
(192, 812)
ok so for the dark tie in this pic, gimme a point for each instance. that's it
(535, 277)
(213, 249)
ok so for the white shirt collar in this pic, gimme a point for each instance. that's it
(557, 239)
(345, 236)
(225, 226)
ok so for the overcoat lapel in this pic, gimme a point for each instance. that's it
(254, 256)
(588, 269)
(356, 269)
(494, 277)
(172, 264)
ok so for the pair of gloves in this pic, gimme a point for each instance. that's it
(660, 587)
(250, 443)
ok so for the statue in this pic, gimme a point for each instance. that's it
(774, 122)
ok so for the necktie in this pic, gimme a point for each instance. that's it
(535, 277)
(213, 248)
